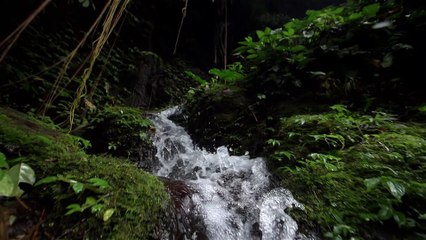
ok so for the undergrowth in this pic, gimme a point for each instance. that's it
(137, 199)
(358, 175)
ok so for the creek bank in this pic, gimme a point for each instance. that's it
(139, 200)
(343, 165)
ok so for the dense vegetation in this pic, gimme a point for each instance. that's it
(359, 172)
(335, 102)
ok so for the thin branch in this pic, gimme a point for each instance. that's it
(181, 24)
(13, 37)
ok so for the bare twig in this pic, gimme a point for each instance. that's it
(13, 37)
(181, 24)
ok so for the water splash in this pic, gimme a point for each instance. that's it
(231, 194)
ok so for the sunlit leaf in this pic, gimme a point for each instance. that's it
(108, 214)
(72, 208)
(396, 189)
(371, 183)
(97, 208)
(99, 182)
(46, 180)
(78, 187)
(6, 184)
(22, 173)
(90, 201)
(290, 32)
(3, 163)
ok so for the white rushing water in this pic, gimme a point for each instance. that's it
(231, 194)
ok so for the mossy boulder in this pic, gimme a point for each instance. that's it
(137, 200)
(123, 132)
(217, 115)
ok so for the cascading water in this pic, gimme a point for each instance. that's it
(231, 195)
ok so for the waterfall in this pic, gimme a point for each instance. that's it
(231, 195)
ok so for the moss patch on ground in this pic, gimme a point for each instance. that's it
(358, 175)
(138, 199)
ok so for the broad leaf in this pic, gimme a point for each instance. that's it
(97, 208)
(371, 183)
(371, 10)
(396, 189)
(90, 201)
(400, 218)
(22, 173)
(46, 180)
(6, 184)
(385, 213)
(3, 163)
(73, 208)
(78, 187)
(108, 214)
(99, 182)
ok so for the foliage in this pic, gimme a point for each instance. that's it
(11, 177)
(356, 174)
(119, 130)
(96, 203)
(338, 50)
(136, 199)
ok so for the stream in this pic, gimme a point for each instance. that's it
(231, 196)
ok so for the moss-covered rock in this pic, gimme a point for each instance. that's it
(137, 199)
(123, 132)
(216, 114)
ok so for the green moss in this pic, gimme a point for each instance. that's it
(138, 198)
(119, 130)
(356, 174)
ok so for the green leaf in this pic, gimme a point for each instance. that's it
(73, 208)
(399, 218)
(396, 189)
(298, 48)
(3, 163)
(78, 187)
(287, 154)
(99, 182)
(330, 167)
(422, 109)
(226, 74)
(338, 10)
(385, 213)
(7, 187)
(260, 34)
(108, 214)
(22, 173)
(273, 142)
(290, 32)
(252, 56)
(371, 183)
(356, 16)
(90, 201)
(371, 10)
(46, 180)
(97, 208)
(86, 3)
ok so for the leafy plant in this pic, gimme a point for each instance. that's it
(11, 177)
(98, 200)
(353, 171)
